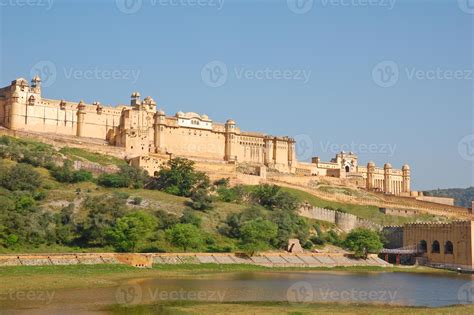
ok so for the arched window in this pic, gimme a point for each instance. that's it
(423, 246)
(435, 247)
(448, 248)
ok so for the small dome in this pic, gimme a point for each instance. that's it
(160, 112)
(205, 117)
(387, 165)
(179, 114)
(371, 163)
(406, 167)
(135, 95)
(230, 122)
(36, 79)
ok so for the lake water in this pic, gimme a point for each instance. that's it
(296, 287)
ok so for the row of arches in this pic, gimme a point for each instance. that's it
(436, 248)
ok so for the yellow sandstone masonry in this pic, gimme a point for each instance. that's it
(148, 137)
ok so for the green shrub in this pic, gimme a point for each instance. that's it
(363, 241)
(201, 200)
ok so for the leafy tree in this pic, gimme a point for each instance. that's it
(201, 200)
(127, 176)
(66, 174)
(189, 216)
(113, 180)
(103, 212)
(179, 178)
(21, 177)
(363, 241)
(234, 221)
(65, 225)
(271, 197)
(237, 194)
(257, 234)
(137, 176)
(186, 236)
(132, 231)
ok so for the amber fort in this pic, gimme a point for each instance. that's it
(148, 136)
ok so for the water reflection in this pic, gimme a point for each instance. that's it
(295, 287)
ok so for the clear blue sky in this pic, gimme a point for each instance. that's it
(161, 48)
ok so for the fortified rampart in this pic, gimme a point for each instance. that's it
(145, 134)
(344, 221)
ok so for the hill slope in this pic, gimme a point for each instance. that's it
(462, 196)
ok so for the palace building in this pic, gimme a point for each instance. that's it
(148, 136)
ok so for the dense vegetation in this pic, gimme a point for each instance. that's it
(463, 197)
(106, 213)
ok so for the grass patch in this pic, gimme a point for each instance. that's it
(371, 213)
(80, 154)
(196, 307)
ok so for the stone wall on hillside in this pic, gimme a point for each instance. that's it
(344, 221)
